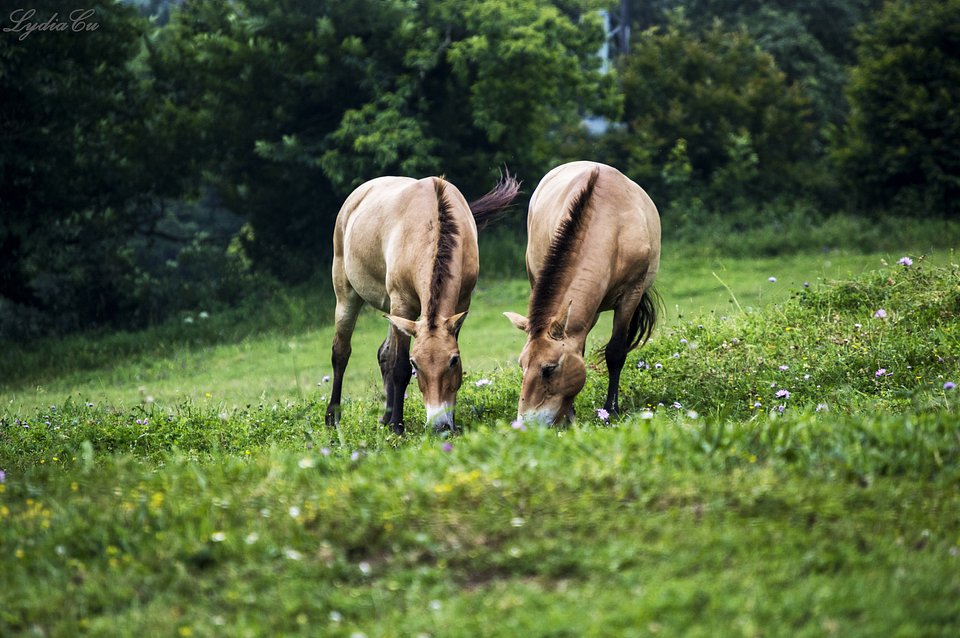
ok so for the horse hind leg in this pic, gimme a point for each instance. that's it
(615, 353)
(349, 304)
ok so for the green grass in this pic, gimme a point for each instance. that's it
(715, 507)
(190, 361)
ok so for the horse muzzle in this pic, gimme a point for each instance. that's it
(440, 417)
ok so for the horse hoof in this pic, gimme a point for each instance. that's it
(332, 418)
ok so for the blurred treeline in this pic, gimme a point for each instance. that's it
(186, 155)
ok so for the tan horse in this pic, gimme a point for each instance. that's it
(409, 248)
(593, 244)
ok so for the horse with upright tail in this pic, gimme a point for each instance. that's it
(593, 244)
(408, 248)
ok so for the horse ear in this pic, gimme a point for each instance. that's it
(455, 322)
(558, 327)
(518, 321)
(405, 326)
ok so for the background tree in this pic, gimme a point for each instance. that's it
(900, 149)
(299, 102)
(711, 114)
(78, 173)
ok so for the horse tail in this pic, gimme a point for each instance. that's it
(644, 318)
(494, 204)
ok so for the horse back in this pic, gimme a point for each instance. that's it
(388, 231)
(620, 235)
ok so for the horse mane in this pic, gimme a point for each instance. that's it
(447, 233)
(558, 259)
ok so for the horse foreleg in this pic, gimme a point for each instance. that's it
(386, 357)
(401, 373)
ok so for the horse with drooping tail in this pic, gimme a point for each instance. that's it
(593, 244)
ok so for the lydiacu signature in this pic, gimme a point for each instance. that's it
(26, 23)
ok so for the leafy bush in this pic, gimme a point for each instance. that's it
(710, 119)
(899, 149)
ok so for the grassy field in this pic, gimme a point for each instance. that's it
(283, 366)
(789, 465)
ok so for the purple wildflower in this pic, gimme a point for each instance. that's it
(518, 425)
(677, 405)
(783, 394)
(658, 365)
(448, 447)
(483, 382)
(325, 451)
(3, 476)
(949, 385)
(784, 368)
(882, 372)
(905, 261)
(354, 455)
(880, 314)
(781, 408)
(603, 414)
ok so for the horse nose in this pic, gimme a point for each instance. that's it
(537, 417)
(441, 417)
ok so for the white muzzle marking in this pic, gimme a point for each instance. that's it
(440, 415)
(538, 417)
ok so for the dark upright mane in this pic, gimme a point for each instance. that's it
(447, 233)
(548, 282)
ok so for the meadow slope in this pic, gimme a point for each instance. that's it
(787, 470)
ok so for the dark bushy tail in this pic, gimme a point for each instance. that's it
(644, 318)
(492, 205)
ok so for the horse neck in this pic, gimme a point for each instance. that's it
(448, 299)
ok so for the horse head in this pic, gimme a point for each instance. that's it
(435, 357)
(553, 371)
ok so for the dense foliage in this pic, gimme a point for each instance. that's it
(710, 116)
(902, 137)
(182, 158)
